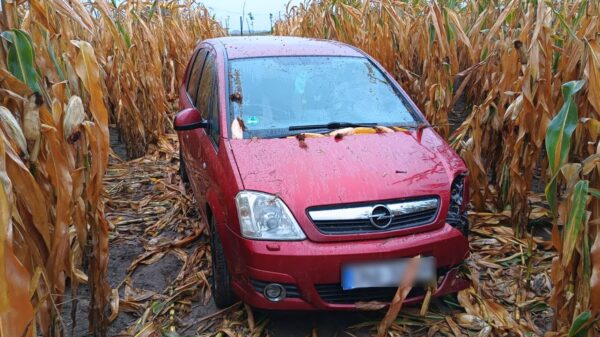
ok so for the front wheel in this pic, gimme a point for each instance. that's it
(221, 282)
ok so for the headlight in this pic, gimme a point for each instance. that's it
(457, 194)
(265, 217)
(457, 213)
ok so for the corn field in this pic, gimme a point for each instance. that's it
(528, 73)
(514, 85)
(146, 48)
(68, 69)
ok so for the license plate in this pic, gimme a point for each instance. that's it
(385, 274)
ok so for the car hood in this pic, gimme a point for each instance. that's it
(356, 168)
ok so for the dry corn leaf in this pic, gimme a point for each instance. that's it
(13, 130)
(404, 288)
(16, 311)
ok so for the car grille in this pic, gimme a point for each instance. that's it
(353, 219)
(334, 294)
(290, 289)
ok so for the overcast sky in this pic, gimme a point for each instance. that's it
(260, 9)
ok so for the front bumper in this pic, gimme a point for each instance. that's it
(311, 271)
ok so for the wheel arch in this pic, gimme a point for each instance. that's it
(214, 208)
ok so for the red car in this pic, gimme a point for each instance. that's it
(318, 175)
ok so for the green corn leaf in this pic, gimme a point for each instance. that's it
(20, 58)
(576, 221)
(586, 255)
(580, 12)
(53, 56)
(581, 325)
(561, 128)
(157, 307)
(484, 55)
(550, 192)
(431, 34)
(152, 10)
(124, 34)
(558, 137)
(595, 192)
(565, 24)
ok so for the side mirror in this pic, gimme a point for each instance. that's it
(189, 119)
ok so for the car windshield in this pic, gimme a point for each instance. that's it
(282, 96)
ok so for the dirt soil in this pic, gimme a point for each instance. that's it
(160, 268)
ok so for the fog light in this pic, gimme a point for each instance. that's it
(274, 292)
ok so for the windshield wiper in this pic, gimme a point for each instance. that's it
(412, 126)
(331, 126)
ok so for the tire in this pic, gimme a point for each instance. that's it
(222, 291)
(182, 170)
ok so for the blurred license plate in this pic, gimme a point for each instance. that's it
(385, 274)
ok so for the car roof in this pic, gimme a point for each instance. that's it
(261, 46)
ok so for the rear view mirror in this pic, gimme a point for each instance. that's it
(189, 119)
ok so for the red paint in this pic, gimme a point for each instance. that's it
(358, 168)
(259, 46)
(307, 263)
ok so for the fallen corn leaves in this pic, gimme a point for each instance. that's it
(403, 290)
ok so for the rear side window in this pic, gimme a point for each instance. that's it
(207, 100)
(194, 76)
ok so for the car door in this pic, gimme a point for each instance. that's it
(207, 104)
(191, 140)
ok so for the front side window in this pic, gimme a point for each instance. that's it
(281, 96)
(207, 101)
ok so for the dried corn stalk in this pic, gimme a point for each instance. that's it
(63, 65)
(53, 154)
(145, 46)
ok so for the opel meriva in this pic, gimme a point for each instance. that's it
(318, 176)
